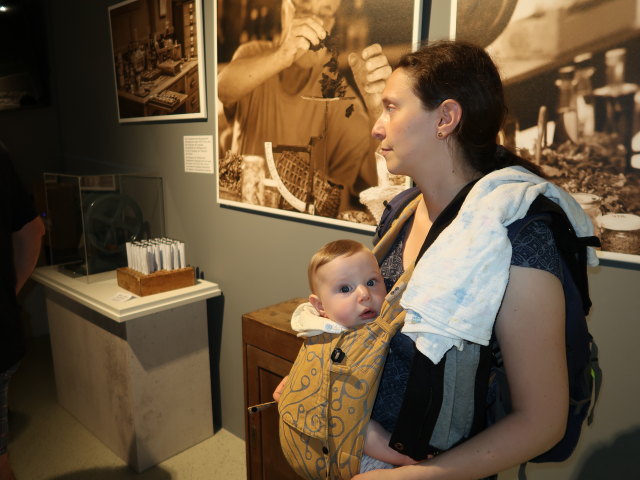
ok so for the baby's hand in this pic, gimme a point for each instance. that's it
(278, 391)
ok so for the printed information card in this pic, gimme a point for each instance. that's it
(198, 153)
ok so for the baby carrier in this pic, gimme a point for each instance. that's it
(327, 401)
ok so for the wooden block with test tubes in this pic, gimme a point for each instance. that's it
(155, 266)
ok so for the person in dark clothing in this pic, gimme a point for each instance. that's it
(21, 239)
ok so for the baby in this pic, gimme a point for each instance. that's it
(347, 290)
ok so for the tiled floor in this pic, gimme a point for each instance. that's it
(47, 443)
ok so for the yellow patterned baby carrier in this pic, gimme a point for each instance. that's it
(327, 401)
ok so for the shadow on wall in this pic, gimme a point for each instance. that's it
(617, 459)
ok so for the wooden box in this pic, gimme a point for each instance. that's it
(170, 67)
(156, 282)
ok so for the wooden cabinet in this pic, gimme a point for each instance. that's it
(269, 349)
(185, 28)
(192, 90)
(184, 85)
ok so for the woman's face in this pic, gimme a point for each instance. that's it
(406, 130)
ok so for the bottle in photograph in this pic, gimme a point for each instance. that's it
(137, 59)
(264, 28)
(615, 65)
(254, 25)
(253, 174)
(356, 28)
(584, 95)
(615, 102)
(153, 55)
(566, 115)
(271, 194)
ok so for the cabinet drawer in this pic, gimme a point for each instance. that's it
(192, 81)
(179, 86)
(193, 103)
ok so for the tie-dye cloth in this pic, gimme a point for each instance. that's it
(458, 285)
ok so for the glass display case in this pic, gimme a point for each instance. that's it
(91, 217)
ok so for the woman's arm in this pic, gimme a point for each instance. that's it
(244, 73)
(376, 445)
(530, 330)
(26, 250)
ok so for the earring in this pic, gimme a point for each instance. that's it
(440, 134)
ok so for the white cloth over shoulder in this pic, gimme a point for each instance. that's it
(307, 322)
(458, 285)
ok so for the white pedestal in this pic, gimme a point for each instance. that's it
(135, 373)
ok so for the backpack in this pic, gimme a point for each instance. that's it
(585, 376)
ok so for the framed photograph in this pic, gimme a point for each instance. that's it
(158, 60)
(295, 140)
(572, 85)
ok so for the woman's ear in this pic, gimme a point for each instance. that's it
(317, 304)
(450, 116)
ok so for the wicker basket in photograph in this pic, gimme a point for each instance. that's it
(230, 176)
(294, 167)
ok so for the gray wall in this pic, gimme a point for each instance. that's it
(256, 260)
(259, 260)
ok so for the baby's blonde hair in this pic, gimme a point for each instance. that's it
(329, 252)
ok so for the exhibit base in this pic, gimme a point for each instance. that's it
(141, 385)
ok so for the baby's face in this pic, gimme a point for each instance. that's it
(350, 289)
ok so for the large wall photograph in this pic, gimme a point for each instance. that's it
(295, 139)
(572, 76)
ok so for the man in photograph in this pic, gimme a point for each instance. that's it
(272, 90)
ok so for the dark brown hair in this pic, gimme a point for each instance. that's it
(465, 73)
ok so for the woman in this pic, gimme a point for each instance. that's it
(443, 109)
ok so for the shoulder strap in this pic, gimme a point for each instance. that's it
(446, 217)
(397, 204)
(392, 209)
(426, 382)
